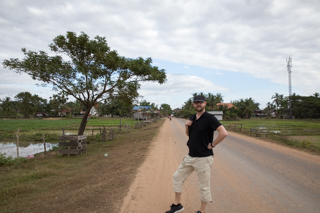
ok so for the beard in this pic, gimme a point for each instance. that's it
(199, 108)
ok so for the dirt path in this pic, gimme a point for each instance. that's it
(249, 175)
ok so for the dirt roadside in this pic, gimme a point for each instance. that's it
(85, 183)
(151, 190)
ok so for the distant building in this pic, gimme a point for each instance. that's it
(144, 113)
(229, 105)
(139, 108)
(94, 110)
(217, 114)
(42, 115)
(65, 112)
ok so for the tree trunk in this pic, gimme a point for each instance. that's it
(84, 121)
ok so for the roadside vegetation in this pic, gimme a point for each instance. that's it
(303, 134)
(52, 181)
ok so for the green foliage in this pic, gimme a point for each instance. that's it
(9, 109)
(306, 143)
(245, 107)
(165, 109)
(212, 100)
(111, 121)
(89, 71)
(9, 161)
(184, 113)
(305, 107)
(57, 103)
(28, 104)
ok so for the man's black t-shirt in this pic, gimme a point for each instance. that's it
(201, 134)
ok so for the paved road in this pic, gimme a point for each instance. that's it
(248, 175)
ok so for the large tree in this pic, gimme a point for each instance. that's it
(85, 69)
(246, 107)
(8, 108)
(56, 103)
(165, 109)
(29, 104)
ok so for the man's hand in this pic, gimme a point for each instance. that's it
(188, 123)
(209, 146)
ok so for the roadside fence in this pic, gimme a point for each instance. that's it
(97, 133)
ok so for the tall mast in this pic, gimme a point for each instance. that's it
(289, 65)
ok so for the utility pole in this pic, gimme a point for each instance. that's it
(289, 65)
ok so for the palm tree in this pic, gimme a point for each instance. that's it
(246, 107)
(277, 100)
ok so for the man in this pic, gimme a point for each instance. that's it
(200, 129)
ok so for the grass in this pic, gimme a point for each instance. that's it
(70, 183)
(12, 125)
(111, 121)
(38, 124)
(298, 133)
(32, 129)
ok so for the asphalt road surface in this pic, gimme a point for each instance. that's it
(248, 175)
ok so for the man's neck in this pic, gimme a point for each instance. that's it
(200, 113)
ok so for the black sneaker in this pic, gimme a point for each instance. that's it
(175, 208)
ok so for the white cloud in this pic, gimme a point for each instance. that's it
(178, 89)
(252, 37)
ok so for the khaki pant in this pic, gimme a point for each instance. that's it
(202, 166)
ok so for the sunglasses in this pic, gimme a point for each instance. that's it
(198, 102)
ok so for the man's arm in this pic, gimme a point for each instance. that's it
(187, 124)
(222, 135)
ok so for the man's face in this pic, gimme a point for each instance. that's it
(199, 106)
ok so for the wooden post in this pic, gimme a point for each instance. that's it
(17, 136)
(63, 134)
(44, 145)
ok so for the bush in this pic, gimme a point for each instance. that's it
(4, 160)
(306, 143)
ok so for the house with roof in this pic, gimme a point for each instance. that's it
(94, 110)
(217, 114)
(144, 113)
(140, 108)
(64, 112)
(229, 105)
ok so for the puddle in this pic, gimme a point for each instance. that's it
(24, 150)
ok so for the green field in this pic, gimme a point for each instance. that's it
(37, 124)
(32, 129)
(297, 133)
(111, 121)
(43, 124)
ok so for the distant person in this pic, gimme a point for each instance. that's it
(200, 129)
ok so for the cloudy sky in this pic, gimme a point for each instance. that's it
(236, 48)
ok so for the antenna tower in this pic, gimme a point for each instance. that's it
(289, 65)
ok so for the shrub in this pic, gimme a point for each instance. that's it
(4, 160)
(306, 143)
